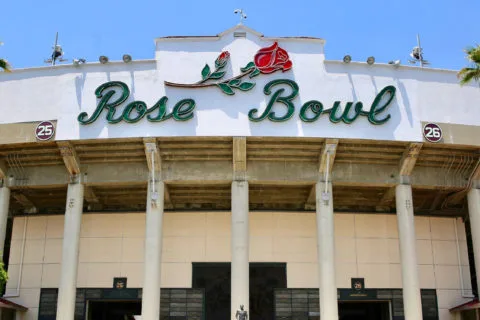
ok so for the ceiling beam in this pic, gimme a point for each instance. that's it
(386, 202)
(329, 151)
(239, 158)
(3, 169)
(24, 201)
(310, 204)
(151, 148)
(409, 158)
(168, 204)
(70, 157)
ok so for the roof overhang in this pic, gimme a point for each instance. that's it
(470, 305)
(7, 304)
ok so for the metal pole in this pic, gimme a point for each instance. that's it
(54, 50)
(420, 50)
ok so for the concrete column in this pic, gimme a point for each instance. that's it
(70, 248)
(153, 251)
(4, 204)
(240, 248)
(474, 214)
(412, 303)
(326, 253)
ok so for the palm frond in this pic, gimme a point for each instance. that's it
(4, 65)
(466, 75)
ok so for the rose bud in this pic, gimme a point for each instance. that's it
(271, 59)
(222, 59)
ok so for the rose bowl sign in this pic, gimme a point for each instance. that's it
(281, 92)
(44, 131)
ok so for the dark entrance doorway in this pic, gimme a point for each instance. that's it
(113, 310)
(215, 278)
(366, 310)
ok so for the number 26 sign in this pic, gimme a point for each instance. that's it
(432, 132)
(45, 131)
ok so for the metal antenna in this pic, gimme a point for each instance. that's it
(417, 54)
(57, 53)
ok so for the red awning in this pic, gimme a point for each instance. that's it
(470, 305)
(7, 304)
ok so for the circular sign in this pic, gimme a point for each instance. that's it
(45, 131)
(432, 132)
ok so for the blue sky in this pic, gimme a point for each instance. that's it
(384, 29)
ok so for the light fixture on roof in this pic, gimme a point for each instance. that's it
(417, 54)
(371, 60)
(79, 61)
(242, 14)
(347, 58)
(127, 58)
(103, 59)
(395, 63)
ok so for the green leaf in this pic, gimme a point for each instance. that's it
(217, 75)
(205, 71)
(249, 66)
(226, 88)
(255, 72)
(234, 82)
(245, 86)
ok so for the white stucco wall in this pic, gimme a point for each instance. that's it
(61, 93)
(112, 245)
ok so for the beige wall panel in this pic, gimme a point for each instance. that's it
(218, 249)
(31, 276)
(426, 276)
(134, 273)
(380, 275)
(345, 250)
(34, 250)
(15, 251)
(184, 224)
(134, 225)
(371, 226)
(32, 314)
(373, 251)
(295, 249)
(446, 277)
(261, 249)
(461, 230)
(82, 275)
(463, 253)
(344, 225)
(422, 228)
(217, 223)
(344, 272)
(392, 226)
(28, 298)
(302, 275)
(53, 251)
(102, 226)
(13, 271)
(176, 275)
(101, 275)
(51, 275)
(55, 226)
(442, 229)
(183, 249)
(290, 224)
(445, 252)
(261, 224)
(133, 249)
(393, 251)
(467, 284)
(444, 314)
(17, 229)
(424, 252)
(100, 250)
(36, 227)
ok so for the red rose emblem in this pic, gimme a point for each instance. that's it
(222, 59)
(271, 59)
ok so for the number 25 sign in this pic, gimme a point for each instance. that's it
(432, 132)
(45, 131)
